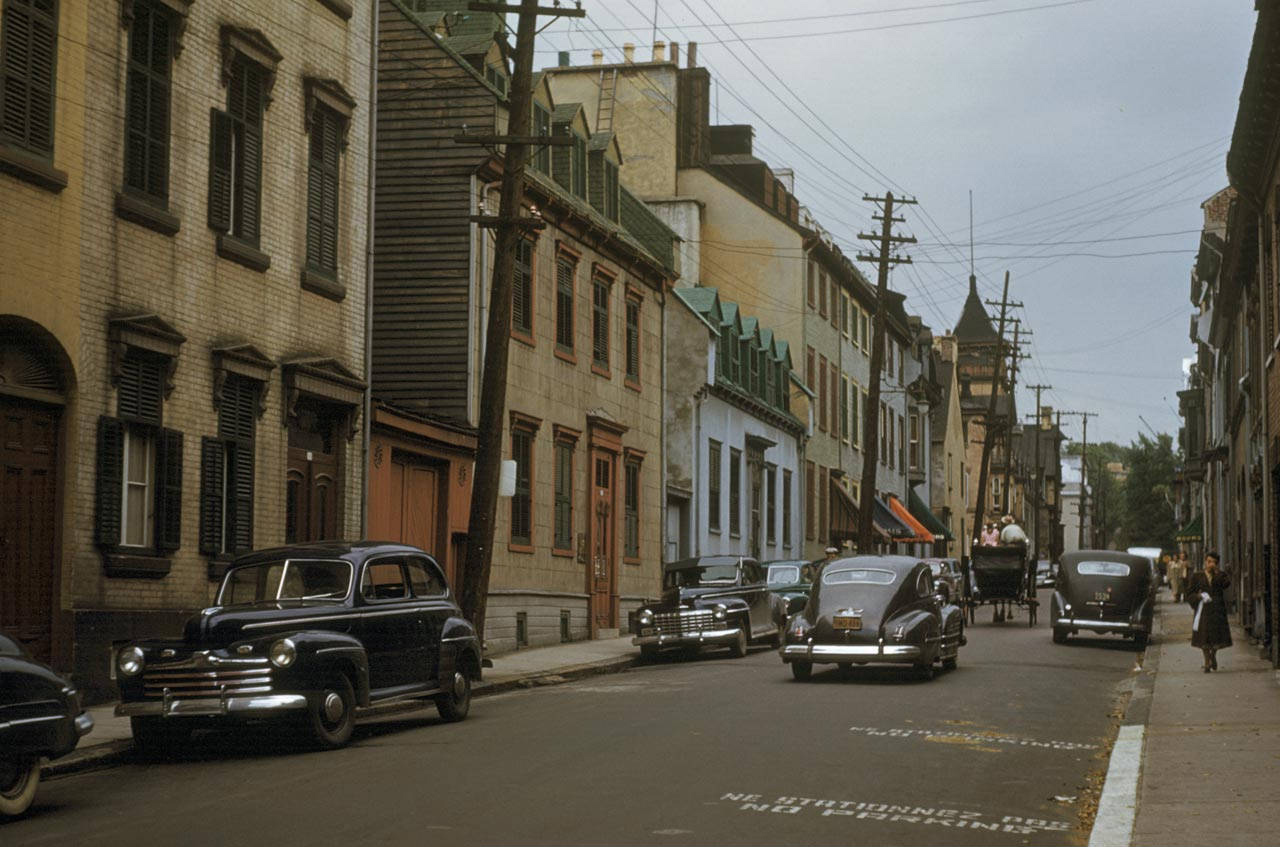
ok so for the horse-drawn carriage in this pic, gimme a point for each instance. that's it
(1001, 576)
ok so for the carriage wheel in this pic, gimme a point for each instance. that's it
(1031, 614)
(972, 606)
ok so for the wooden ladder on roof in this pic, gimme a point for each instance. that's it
(604, 108)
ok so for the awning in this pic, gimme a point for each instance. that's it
(919, 533)
(844, 516)
(925, 515)
(888, 523)
(1192, 532)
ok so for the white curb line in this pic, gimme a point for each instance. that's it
(1113, 825)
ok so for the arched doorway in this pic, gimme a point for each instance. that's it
(32, 395)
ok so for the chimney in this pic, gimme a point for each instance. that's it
(659, 51)
(597, 56)
(693, 54)
(628, 52)
(675, 53)
(564, 58)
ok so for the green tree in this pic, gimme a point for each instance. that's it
(1149, 519)
(1108, 504)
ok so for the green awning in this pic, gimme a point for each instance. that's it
(925, 515)
(1192, 532)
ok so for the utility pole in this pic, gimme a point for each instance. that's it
(1037, 475)
(989, 426)
(1081, 509)
(871, 420)
(510, 226)
(1011, 421)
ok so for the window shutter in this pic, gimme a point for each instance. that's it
(140, 388)
(110, 481)
(212, 456)
(329, 231)
(219, 170)
(315, 192)
(168, 490)
(251, 184)
(28, 46)
(519, 292)
(240, 498)
(135, 148)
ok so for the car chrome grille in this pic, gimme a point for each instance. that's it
(684, 623)
(183, 680)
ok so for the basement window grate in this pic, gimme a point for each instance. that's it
(522, 629)
(564, 626)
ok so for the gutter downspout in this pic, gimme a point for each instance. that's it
(368, 272)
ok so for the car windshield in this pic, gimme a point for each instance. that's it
(292, 579)
(1102, 569)
(784, 574)
(857, 576)
(937, 568)
(705, 575)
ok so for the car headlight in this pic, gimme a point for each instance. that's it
(130, 661)
(282, 653)
(719, 611)
(798, 627)
(645, 618)
(1066, 607)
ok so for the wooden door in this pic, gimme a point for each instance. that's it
(421, 508)
(28, 522)
(312, 484)
(604, 564)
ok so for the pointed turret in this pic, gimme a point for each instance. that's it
(974, 326)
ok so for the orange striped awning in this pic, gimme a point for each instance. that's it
(903, 514)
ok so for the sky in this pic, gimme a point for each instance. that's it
(1087, 130)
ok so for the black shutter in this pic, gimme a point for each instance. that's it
(168, 490)
(315, 191)
(250, 184)
(110, 482)
(212, 456)
(28, 47)
(329, 209)
(219, 170)
(240, 498)
(140, 388)
(135, 141)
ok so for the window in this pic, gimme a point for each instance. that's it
(497, 77)
(884, 443)
(824, 484)
(713, 485)
(771, 505)
(810, 482)
(786, 509)
(835, 303)
(564, 497)
(822, 293)
(633, 341)
(889, 422)
(770, 369)
(227, 471)
(139, 488)
(995, 492)
(522, 291)
(888, 359)
(384, 580)
(610, 190)
(631, 511)
(902, 444)
(28, 66)
(600, 323)
(856, 402)
(566, 271)
(844, 314)
(147, 100)
(915, 441)
(811, 284)
(322, 191)
(579, 153)
(822, 393)
(810, 379)
(835, 409)
(522, 500)
(844, 409)
(735, 491)
(542, 127)
(425, 578)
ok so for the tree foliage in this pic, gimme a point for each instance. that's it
(1149, 493)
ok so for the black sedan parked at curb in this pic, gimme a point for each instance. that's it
(40, 718)
(880, 609)
(1102, 591)
(307, 632)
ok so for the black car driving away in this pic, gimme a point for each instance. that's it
(881, 609)
(40, 717)
(307, 632)
(1103, 591)
(710, 601)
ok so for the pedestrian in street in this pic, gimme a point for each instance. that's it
(831, 552)
(990, 536)
(1177, 576)
(1206, 594)
(1012, 533)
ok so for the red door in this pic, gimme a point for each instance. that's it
(28, 522)
(603, 577)
(312, 490)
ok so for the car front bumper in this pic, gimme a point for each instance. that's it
(1095, 625)
(264, 705)
(828, 653)
(702, 638)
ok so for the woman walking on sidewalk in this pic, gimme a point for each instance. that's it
(1206, 594)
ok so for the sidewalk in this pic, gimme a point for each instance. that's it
(111, 740)
(1212, 749)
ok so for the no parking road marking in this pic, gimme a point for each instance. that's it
(961, 737)
(890, 813)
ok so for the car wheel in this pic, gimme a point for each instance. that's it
(330, 713)
(1141, 640)
(648, 652)
(801, 670)
(454, 704)
(738, 648)
(950, 664)
(19, 779)
(153, 736)
(1059, 635)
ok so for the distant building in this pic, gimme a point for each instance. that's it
(1075, 499)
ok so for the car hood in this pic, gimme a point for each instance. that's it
(218, 626)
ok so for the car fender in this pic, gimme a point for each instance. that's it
(1058, 606)
(920, 624)
(320, 652)
(459, 646)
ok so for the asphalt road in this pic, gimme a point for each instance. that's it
(708, 751)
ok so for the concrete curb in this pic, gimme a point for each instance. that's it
(115, 753)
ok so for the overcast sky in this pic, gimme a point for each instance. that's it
(1099, 122)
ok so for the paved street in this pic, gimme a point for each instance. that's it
(713, 751)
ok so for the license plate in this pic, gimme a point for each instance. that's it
(649, 630)
(1101, 596)
(846, 622)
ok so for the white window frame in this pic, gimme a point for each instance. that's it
(134, 432)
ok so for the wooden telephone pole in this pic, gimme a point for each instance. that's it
(509, 226)
(989, 426)
(1082, 506)
(1037, 475)
(1015, 354)
(885, 258)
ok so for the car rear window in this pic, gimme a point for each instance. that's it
(784, 574)
(858, 576)
(1102, 569)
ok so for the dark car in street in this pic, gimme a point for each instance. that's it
(307, 632)
(874, 609)
(948, 577)
(709, 601)
(790, 580)
(40, 718)
(1104, 591)
(1046, 573)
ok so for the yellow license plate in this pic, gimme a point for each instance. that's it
(846, 622)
